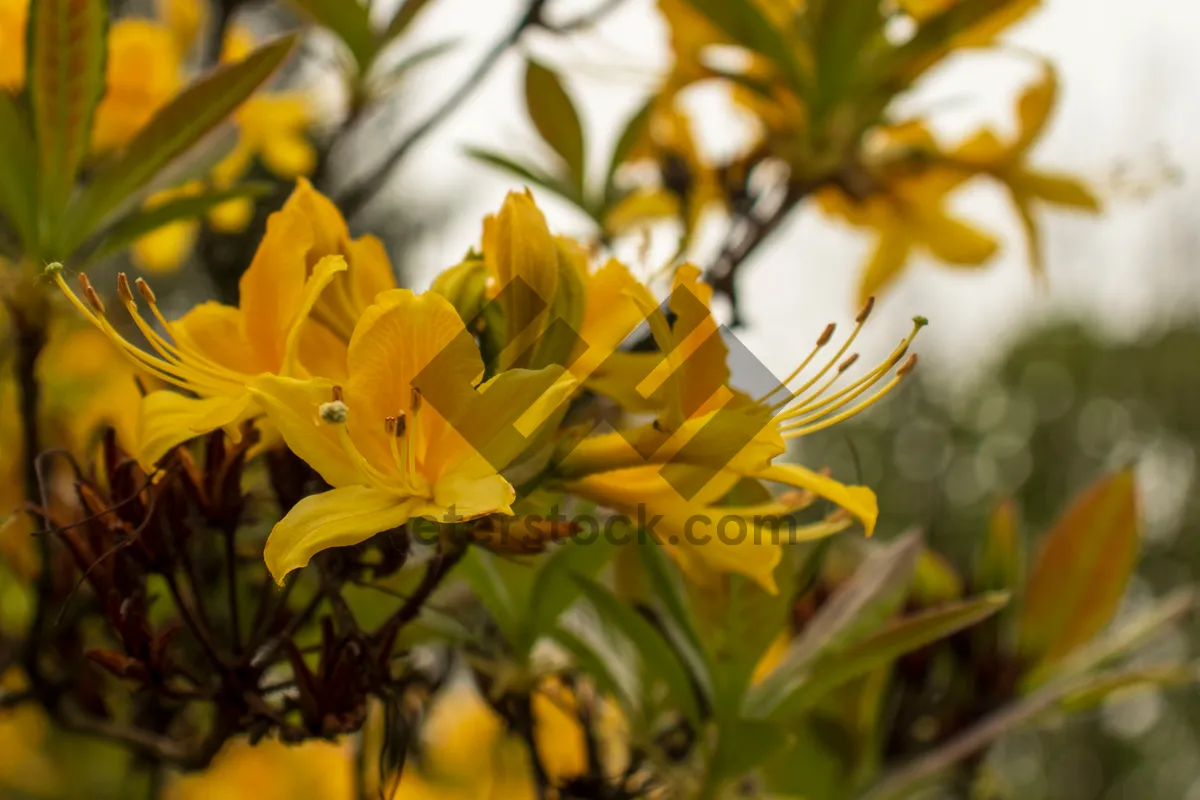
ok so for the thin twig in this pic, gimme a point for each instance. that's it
(356, 198)
(585, 20)
(440, 566)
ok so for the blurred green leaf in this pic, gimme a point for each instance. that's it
(554, 115)
(555, 589)
(1097, 690)
(527, 173)
(746, 24)
(403, 18)
(66, 78)
(349, 21)
(595, 666)
(391, 79)
(18, 192)
(772, 698)
(669, 599)
(743, 745)
(658, 661)
(146, 220)
(634, 129)
(998, 565)
(1081, 571)
(193, 113)
(481, 573)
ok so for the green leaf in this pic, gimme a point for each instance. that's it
(1081, 571)
(555, 589)
(193, 113)
(403, 18)
(1096, 691)
(349, 21)
(658, 661)
(141, 222)
(679, 623)
(18, 192)
(634, 129)
(556, 119)
(999, 563)
(595, 665)
(773, 698)
(936, 35)
(746, 24)
(743, 745)
(527, 173)
(391, 79)
(482, 574)
(66, 79)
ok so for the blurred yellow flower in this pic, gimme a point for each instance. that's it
(26, 769)
(467, 753)
(271, 127)
(185, 18)
(164, 248)
(14, 15)
(144, 71)
(271, 770)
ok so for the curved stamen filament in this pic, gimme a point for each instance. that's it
(810, 405)
(798, 429)
(859, 322)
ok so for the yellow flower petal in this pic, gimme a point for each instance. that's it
(215, 331)
(324, 273)
(232, 216)
(164, 249)
(292, 406)
(956, 242)
(858, 500)
(337, 518)
(169, 419)
(273, 288)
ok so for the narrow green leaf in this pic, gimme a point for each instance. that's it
(554, 588)
(478, 568)
(596, 666)
(66, 79)
(1101, 687)
(554, 115)
(527, 173)
(18, 192)
(746, 24)
(193, 113)
(349, 21)
(403, 18)
(141, 222)
(774, 698)
(659, 661)
(634, 129)
(1081, 571)
(679, 623)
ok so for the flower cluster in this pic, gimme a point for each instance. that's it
(474, 400)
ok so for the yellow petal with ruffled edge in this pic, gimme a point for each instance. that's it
(337, 518)
(169, 419)
(273, 288)
(322, 275)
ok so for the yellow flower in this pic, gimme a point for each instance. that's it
(271, 770)
(142, 75)
(468, 754)
(985, 153)
(26, 769)
(13, 17)
(907, 211)
(185, 18)
(390, 454)
(164, 249)
(214, 350)
(708, 437)
(689, 184)
(271, 127)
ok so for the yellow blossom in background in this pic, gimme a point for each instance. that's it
(185, 18)
(271, 770)
(272, 127)
(26, 768)
(467, 752)
(164, 248)
(14, 15)
(144, 71)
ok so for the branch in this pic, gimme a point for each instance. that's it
(441, 564)
(357, 197)
(585, 20)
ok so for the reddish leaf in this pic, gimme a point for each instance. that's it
(1081, 571)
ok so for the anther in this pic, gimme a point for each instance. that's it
(123, 290)
(416, 400)
(849, 362)
(389, 426)
(827, 334)
(90, 293)
(146, 291)
(866, 311)
(333, 413)
(337, 395)
(401, 426)
(908, 366)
